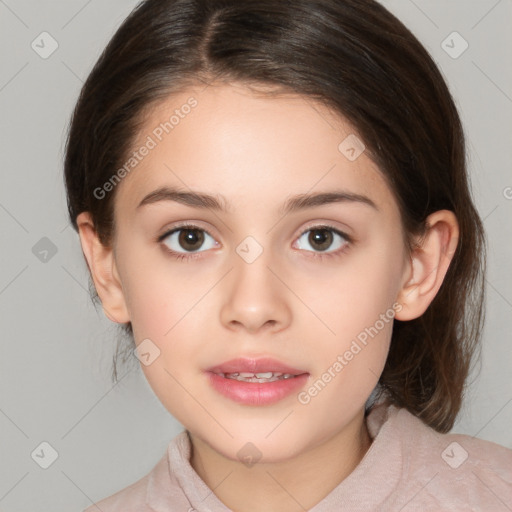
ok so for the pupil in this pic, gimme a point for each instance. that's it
(192, 237)
(321, 237)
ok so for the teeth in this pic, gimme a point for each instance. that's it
(265, 375)
(257, 377)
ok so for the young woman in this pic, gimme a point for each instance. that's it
(272, 200)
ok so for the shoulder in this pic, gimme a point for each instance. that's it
(130, 499)
(452, 471)
(158, 489)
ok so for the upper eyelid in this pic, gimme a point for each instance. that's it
(325, 225)
(185, 225)
(317, 225)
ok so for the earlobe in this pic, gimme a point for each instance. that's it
(101, 263)
(428, 264)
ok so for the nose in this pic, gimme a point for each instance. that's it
(255, 298)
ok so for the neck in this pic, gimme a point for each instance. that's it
(295, 484)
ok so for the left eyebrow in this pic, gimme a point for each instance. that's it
(219, 202)
(303, 201)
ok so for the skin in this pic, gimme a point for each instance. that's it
(287, 304)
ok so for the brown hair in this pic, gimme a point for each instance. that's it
(356, 58)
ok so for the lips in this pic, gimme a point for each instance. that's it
(256, 381)
(263, 365)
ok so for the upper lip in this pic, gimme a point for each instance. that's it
(249, 365)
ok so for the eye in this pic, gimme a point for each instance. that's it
(322, 238)
(186, 239)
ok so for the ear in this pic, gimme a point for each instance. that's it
(101, 263)
(428, 265)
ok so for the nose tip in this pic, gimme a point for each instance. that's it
(254, 298)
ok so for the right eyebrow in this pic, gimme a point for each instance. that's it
(194, 199)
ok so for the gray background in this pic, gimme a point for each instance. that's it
(56, 349)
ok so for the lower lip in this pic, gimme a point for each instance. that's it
(257, 393)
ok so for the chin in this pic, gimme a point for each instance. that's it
(257, 447)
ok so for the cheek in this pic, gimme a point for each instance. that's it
(168, 305)
(359, 307)
(167, 309)
(159, 293)
(349, 362)
(353, 295)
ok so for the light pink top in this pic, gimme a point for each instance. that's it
(408, 467)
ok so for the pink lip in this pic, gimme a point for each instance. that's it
(255, 393)
(266, 364)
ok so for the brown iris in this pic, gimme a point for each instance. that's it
(321, 237)
(191, 237)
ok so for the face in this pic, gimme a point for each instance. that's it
(257, 276)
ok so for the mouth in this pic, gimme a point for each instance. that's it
(257, 377)
(256, 381)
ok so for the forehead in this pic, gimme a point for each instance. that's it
(249, 146)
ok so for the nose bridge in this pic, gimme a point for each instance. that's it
(251, 266)
(255, 297)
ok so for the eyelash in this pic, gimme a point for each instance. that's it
(193, 255)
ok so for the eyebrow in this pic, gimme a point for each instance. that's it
(219, 202)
